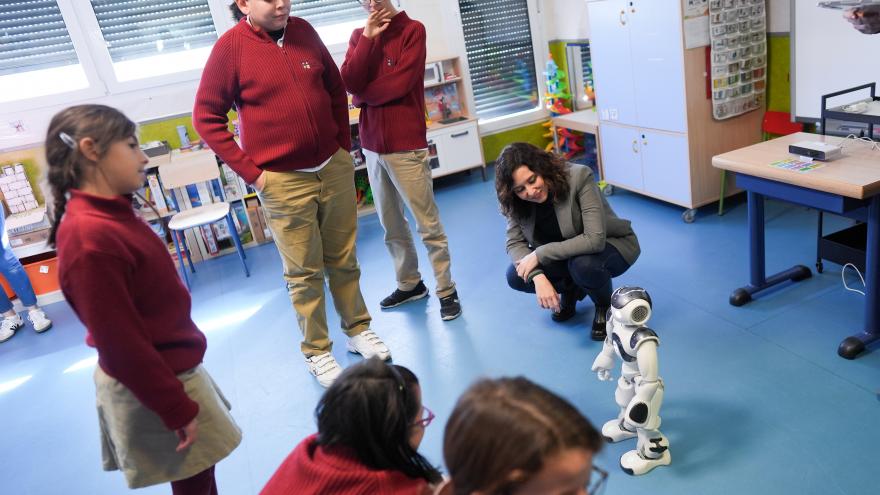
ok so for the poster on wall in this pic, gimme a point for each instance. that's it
(696, 23)
(738, 32)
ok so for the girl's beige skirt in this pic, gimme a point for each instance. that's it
(135, 441)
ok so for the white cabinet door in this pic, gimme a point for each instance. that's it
(621, 156)
(458, 148)
(666, 166)
(658, 64)
(612, 66)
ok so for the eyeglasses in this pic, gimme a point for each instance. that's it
(366, 3)
(425, 420)
(597, 481)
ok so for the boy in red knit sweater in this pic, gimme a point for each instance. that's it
(279, 76)
(383, 70)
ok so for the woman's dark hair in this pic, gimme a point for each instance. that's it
(551, 167)
(105, 125)
(236, 12)
(509, 425)
(370, 410)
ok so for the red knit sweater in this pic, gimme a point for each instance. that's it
(312, 470)
(120, 281)
(291, 101)
(386, 77)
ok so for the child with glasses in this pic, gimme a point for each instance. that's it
(510, 436)
(370, 424)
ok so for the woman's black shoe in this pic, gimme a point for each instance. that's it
(598, 331)
(567, 307)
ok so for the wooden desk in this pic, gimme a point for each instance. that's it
(844, 186)
(586, 121)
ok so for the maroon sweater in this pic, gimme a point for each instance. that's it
(386, 77)
(290, 100)
(118, 277)
(313, 470)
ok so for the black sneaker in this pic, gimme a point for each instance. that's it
(450, 307)
(399, 297)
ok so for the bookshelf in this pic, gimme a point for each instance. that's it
(453, 135)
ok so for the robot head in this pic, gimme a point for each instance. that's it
(631, 305)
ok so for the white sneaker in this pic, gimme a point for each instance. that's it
(39, 320)
(368, 344)
(8, 327)
(324, 367)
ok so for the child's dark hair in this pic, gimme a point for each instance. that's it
(370, 410)
(105, 125)
(502, 431)
(550, 166)
(236, 12)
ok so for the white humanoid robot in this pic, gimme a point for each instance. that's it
(640, 389)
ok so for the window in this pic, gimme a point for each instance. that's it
(37, 56)
(333, 19)
(146, 38)
(498, 41)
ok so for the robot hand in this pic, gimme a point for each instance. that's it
(602, 366)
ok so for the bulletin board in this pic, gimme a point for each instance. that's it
(738, 33)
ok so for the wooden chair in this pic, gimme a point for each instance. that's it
(181, 172)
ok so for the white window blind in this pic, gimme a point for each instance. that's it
(134, 29)
(328, 12)
(498, 41)
(33, 36)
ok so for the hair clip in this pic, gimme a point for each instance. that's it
(67, 140)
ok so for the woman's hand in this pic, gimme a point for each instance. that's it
(187, 435)
(377, 22)
(866, 19)
(527, 265)
(547, 296)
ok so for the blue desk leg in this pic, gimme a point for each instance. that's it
(758, 280)
(854, 345)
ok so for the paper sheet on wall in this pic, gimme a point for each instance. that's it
(696, 23)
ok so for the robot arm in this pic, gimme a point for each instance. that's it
(605, 360)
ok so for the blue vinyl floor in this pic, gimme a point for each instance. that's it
(757, 401)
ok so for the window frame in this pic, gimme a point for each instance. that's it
(103, 65)
(95, 86)
(519, 119)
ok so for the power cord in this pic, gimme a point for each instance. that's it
(843, 278)
(874, 144)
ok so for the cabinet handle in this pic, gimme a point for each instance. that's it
(460, 134)
(623, 18)
(635, 145)
(645, 142)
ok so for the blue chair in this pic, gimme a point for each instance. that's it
(184, 170)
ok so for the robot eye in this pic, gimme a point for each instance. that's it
(639, 314)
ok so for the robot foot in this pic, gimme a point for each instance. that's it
(634, 464)
(614, 432)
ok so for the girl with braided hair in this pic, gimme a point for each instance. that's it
(162, 417)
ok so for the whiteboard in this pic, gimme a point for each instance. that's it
(828, 55)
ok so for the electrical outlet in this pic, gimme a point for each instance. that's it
(604, 114)
(613, 114)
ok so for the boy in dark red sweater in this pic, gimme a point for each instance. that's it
(294, 149)
(384, 70)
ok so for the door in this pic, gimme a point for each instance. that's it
(621, 156)
(666, 166)
(658, 64)
(612, 65)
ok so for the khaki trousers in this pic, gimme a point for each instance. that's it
(313, 218)
(398, 178)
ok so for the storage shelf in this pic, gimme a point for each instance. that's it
(441, 83)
